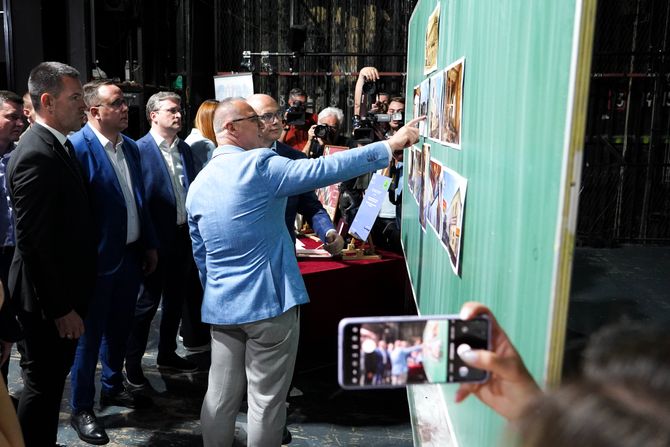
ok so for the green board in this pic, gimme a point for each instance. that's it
(524, 92)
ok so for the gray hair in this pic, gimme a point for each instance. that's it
(223, 110)
(332, 111)
(154, 101)
(47, 78)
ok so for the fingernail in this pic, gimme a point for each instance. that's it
(469, 356)
(464, 314)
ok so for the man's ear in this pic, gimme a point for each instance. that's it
(47, 101)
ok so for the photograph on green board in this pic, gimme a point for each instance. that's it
(450, 131)
(435, 105)
(433, 194)
(409, 166)
(423, 107)
(432, 41)
(425, 164)
(453, 188)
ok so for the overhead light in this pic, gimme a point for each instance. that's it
(246, 63)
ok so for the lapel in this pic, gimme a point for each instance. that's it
(163, 180)
(106, 169)
(73, 166)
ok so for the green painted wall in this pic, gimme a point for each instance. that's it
(517, 122)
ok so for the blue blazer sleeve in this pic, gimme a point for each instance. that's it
(310, 207)
(287, 177)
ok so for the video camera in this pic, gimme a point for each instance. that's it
(295, 115)
(363, 127)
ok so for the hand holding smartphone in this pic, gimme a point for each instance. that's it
(389, 352)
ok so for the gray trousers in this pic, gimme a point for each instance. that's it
(258, 357)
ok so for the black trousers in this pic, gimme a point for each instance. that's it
(193, 330)
(170, 283)
(8, 331)
(46, 359)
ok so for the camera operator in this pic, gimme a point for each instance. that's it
(377, 117)
(326, 132)
(297, 121)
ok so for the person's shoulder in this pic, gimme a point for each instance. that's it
(289, 152)
(146, 141)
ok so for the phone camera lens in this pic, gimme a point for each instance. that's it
(463, 371)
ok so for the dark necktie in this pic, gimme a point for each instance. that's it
(70, 149)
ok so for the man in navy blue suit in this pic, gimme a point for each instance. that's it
(126, 250)
(306, 203)
(168, 169)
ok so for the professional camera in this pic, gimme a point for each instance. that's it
(363, 129)
(295, 115)
(323, 132)
(388, 117)
(370, 87)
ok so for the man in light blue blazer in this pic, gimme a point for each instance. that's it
(126, 251)
(248, 267)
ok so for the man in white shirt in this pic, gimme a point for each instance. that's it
(126, 252)
(168, 169)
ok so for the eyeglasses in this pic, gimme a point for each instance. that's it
(252, 117)
(115, 104)
(172, 111)
(270, 116)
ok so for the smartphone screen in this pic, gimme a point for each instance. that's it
(387, 352)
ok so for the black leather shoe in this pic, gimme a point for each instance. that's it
(286, 437)
(88, 428)
(125, 398)
(173, 361)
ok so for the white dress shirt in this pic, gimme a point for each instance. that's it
(176, 170)
(118, 159)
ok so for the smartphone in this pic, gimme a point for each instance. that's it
(390, 352)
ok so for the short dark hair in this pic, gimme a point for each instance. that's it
(7, 96)
(296, 92)
(47, 78)
(400, 99)
(91, 97)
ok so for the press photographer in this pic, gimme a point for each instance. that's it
(375, 121)
(326, 132)
(297, 121)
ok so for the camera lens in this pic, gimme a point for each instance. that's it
(369, 87)
(321, 131)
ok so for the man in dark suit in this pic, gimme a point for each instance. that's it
(306, 203)
(53, 273)
(126, 250)
(167, 170)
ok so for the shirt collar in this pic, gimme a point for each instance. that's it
(226, 149)
(104, 141)
(59, 136)
(162, 142)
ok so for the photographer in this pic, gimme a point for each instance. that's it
(297, 121)
(326, 132)
(377, 118)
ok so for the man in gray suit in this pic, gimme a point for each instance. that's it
(247, 265)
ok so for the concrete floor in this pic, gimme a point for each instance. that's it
(319, 414)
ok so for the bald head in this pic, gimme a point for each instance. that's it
(267, 108)
(236, 124)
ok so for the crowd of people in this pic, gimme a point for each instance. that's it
(99, 230)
